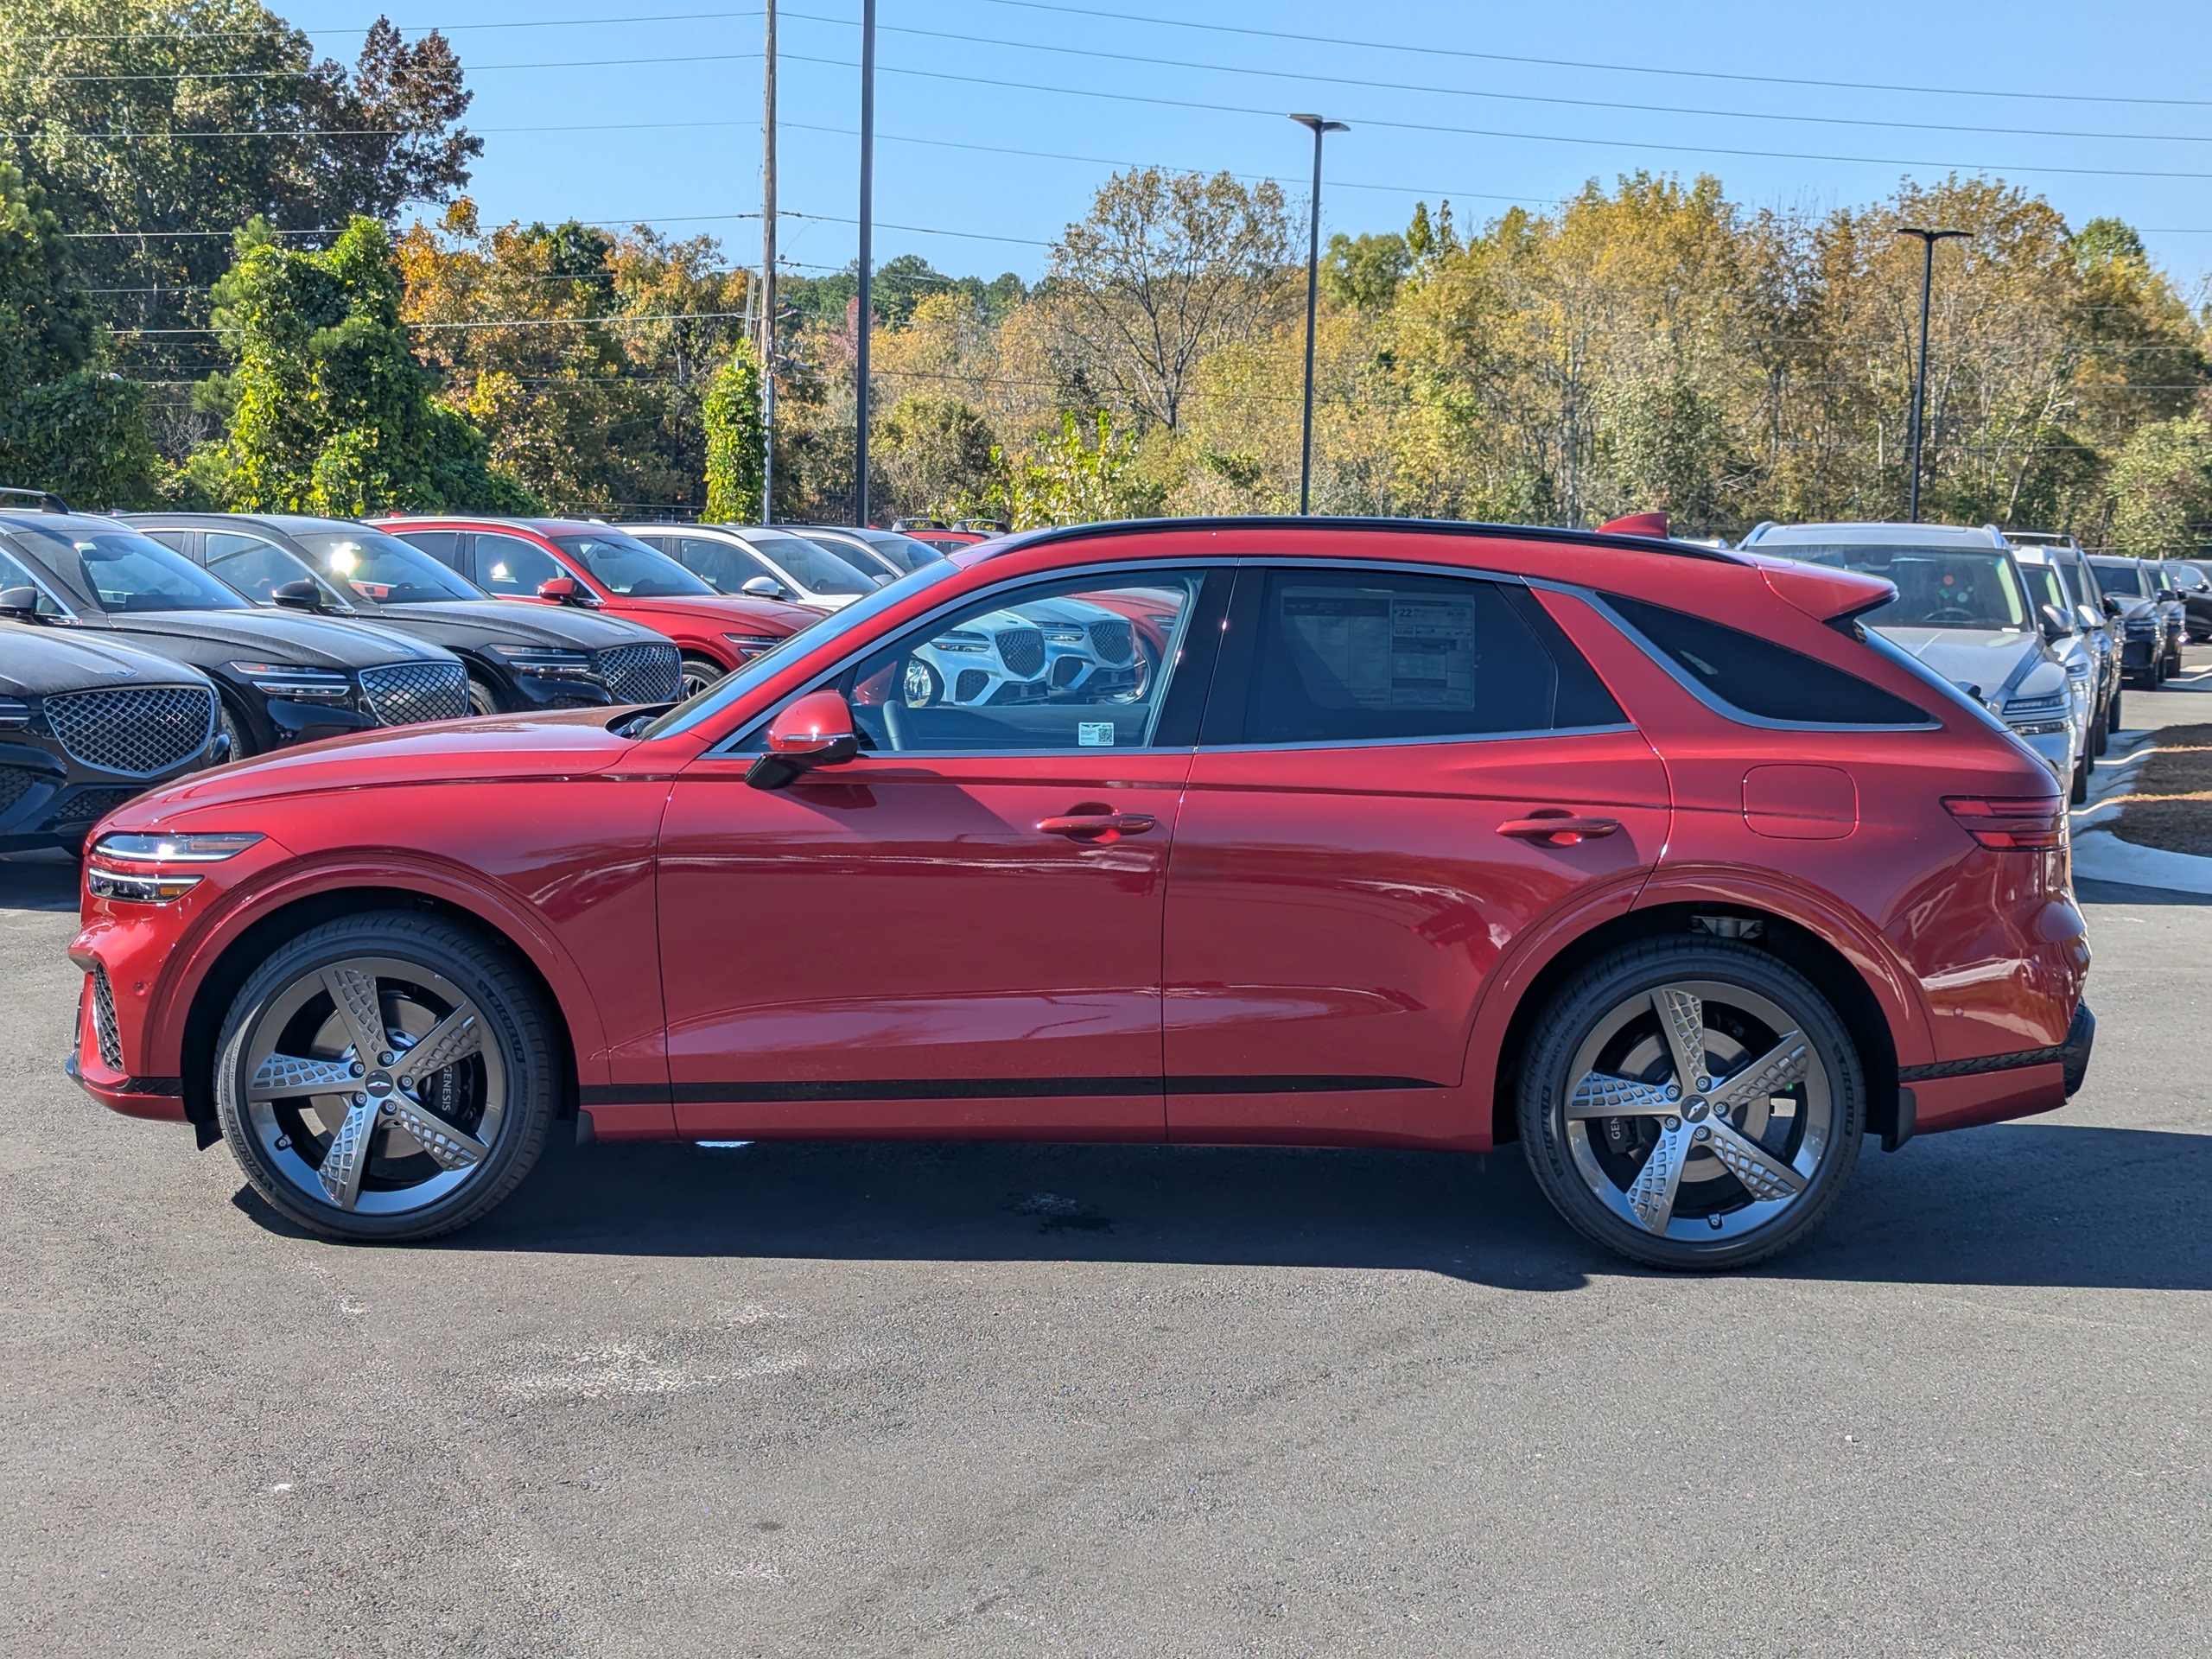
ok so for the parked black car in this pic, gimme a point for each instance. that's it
(518, 657)
(2144, 622)
(2189, 585)
(86, 723)
(283, 678)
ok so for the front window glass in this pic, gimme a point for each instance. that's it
(905, 551)
(1072, 665)
(511, 567)
(382, 567)
(623, 564)
(125, 571)
(816, 569)
(13, 575)
(2120, 576)
(1938, 587)
(728, 568)
(258, 568)
(2045, 589)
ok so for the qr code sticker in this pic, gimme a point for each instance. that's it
(1095, 733)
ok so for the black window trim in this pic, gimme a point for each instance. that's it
(1720, 706)
(1261, 564)
(745, 742)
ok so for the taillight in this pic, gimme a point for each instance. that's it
(2032, 823)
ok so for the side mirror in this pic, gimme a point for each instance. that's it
(301, 595)
(564, 590)
(816, 730)
(2055, 625)
(765, 587)
(22, 603)
(2112, 605)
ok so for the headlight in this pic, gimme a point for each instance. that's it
(289, 680)
(750, 645)
(153, 884)
(2078, 671)
(960, 639)
(2040, 716)
(546, 664)
(1064, 636)
(13, 712)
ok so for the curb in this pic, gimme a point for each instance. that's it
(2100, 856)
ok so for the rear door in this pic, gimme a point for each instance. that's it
(1363, 838)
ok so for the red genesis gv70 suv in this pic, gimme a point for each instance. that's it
(1648, 856)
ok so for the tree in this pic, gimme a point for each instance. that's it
(1070, 481)
(2162, 491)
(936, 455)
(1365, 272)
(66, 424)
(329, 411)
(731, 415)
(1167, 267)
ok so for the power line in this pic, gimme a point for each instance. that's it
(1432, 51)
(405, 28)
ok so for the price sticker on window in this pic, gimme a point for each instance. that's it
(1095, 733)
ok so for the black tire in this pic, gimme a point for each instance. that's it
(483, 698)
(2112, 720)
(1569, 1172)
(240, 733)
(2101, 731)
(514, 1028)
(699, 672)
(2077, 791)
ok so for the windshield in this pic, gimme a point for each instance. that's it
(382, 567)
(2120, 576)
(1938, 587)
(623, 565)
(736, 684)
(125, 571)
(2186, 578)
(905, 551)
(816, 569)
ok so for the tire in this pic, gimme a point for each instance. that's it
(700, 671)
(2100, 728)
(482, 699)
(2112, 720)
(435, 1154)
(1603, 1041)
(2077, 791)
(237, 731)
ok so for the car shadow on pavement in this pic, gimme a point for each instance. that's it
(2035, 1204)
(38, 881)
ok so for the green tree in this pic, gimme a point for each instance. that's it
(66, 424)
(2161, 486)
(731, 414)
(1069, 481)
(1365, 272)
(935, 455)
(329, 411)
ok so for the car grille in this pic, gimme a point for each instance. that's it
(15, 782)
(1115, 642)
(408, 692)
(642, 673)
(1022, 651)
(140, 731)
(87, 805)
(105, 1031)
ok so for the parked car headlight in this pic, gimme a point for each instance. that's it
(13, 712)
(2040, 716)
(292, 680)
(154, 879)
(1065, 636)
(960, 639)
(545, 664)
(750, 645)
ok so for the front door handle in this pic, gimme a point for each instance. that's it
(1098, 826)
(1558, 829)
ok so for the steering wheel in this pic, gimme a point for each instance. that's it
(1951, 614)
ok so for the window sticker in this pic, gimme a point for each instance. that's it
(1375, 649)
(1094, 734)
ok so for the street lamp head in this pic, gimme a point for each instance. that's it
(1320, 126)
(1929, 236)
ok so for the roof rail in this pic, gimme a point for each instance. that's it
(47, 501)
(1432, 526)
(1758, 530)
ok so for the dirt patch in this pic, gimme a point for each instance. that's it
(2171, 807)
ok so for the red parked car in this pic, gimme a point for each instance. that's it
(575, 562)
(1645, 855)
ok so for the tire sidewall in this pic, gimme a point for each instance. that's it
(512, 1020)
(1598, 989)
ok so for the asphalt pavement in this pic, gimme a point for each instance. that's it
(859, 1400)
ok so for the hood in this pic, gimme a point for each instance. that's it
(2001, 662)
(211, 639)
(43, 662)
(562, 744)
(476, 624)
(723, 613)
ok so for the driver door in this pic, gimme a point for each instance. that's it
(958, 932)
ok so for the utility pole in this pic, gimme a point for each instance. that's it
(868, 224)
(768, 279)
(1313, 299)
(1927, 240)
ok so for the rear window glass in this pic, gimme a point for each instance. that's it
(1763, 679)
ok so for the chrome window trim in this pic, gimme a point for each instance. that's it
(1726, 710)
(1446, 739)
(729, 747)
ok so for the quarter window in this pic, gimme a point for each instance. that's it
(1760, 678)
(1364, 656)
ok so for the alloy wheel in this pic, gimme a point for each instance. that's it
(1698, 1111)
(368, 1085)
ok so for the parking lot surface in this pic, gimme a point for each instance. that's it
(807, 1399)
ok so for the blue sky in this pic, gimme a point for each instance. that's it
(656, 117)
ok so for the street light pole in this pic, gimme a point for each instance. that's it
(1929, 238)
(768, 279)
(868, 225)
(1313, 299)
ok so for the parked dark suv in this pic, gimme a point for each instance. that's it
(518, 657)
(283, 678)
(2149, 619)
(87, 722)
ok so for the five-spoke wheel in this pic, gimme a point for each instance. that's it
(385, 1077)
(1692, 1103)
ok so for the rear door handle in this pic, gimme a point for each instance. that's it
(1558, 829)
(1102, 826)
